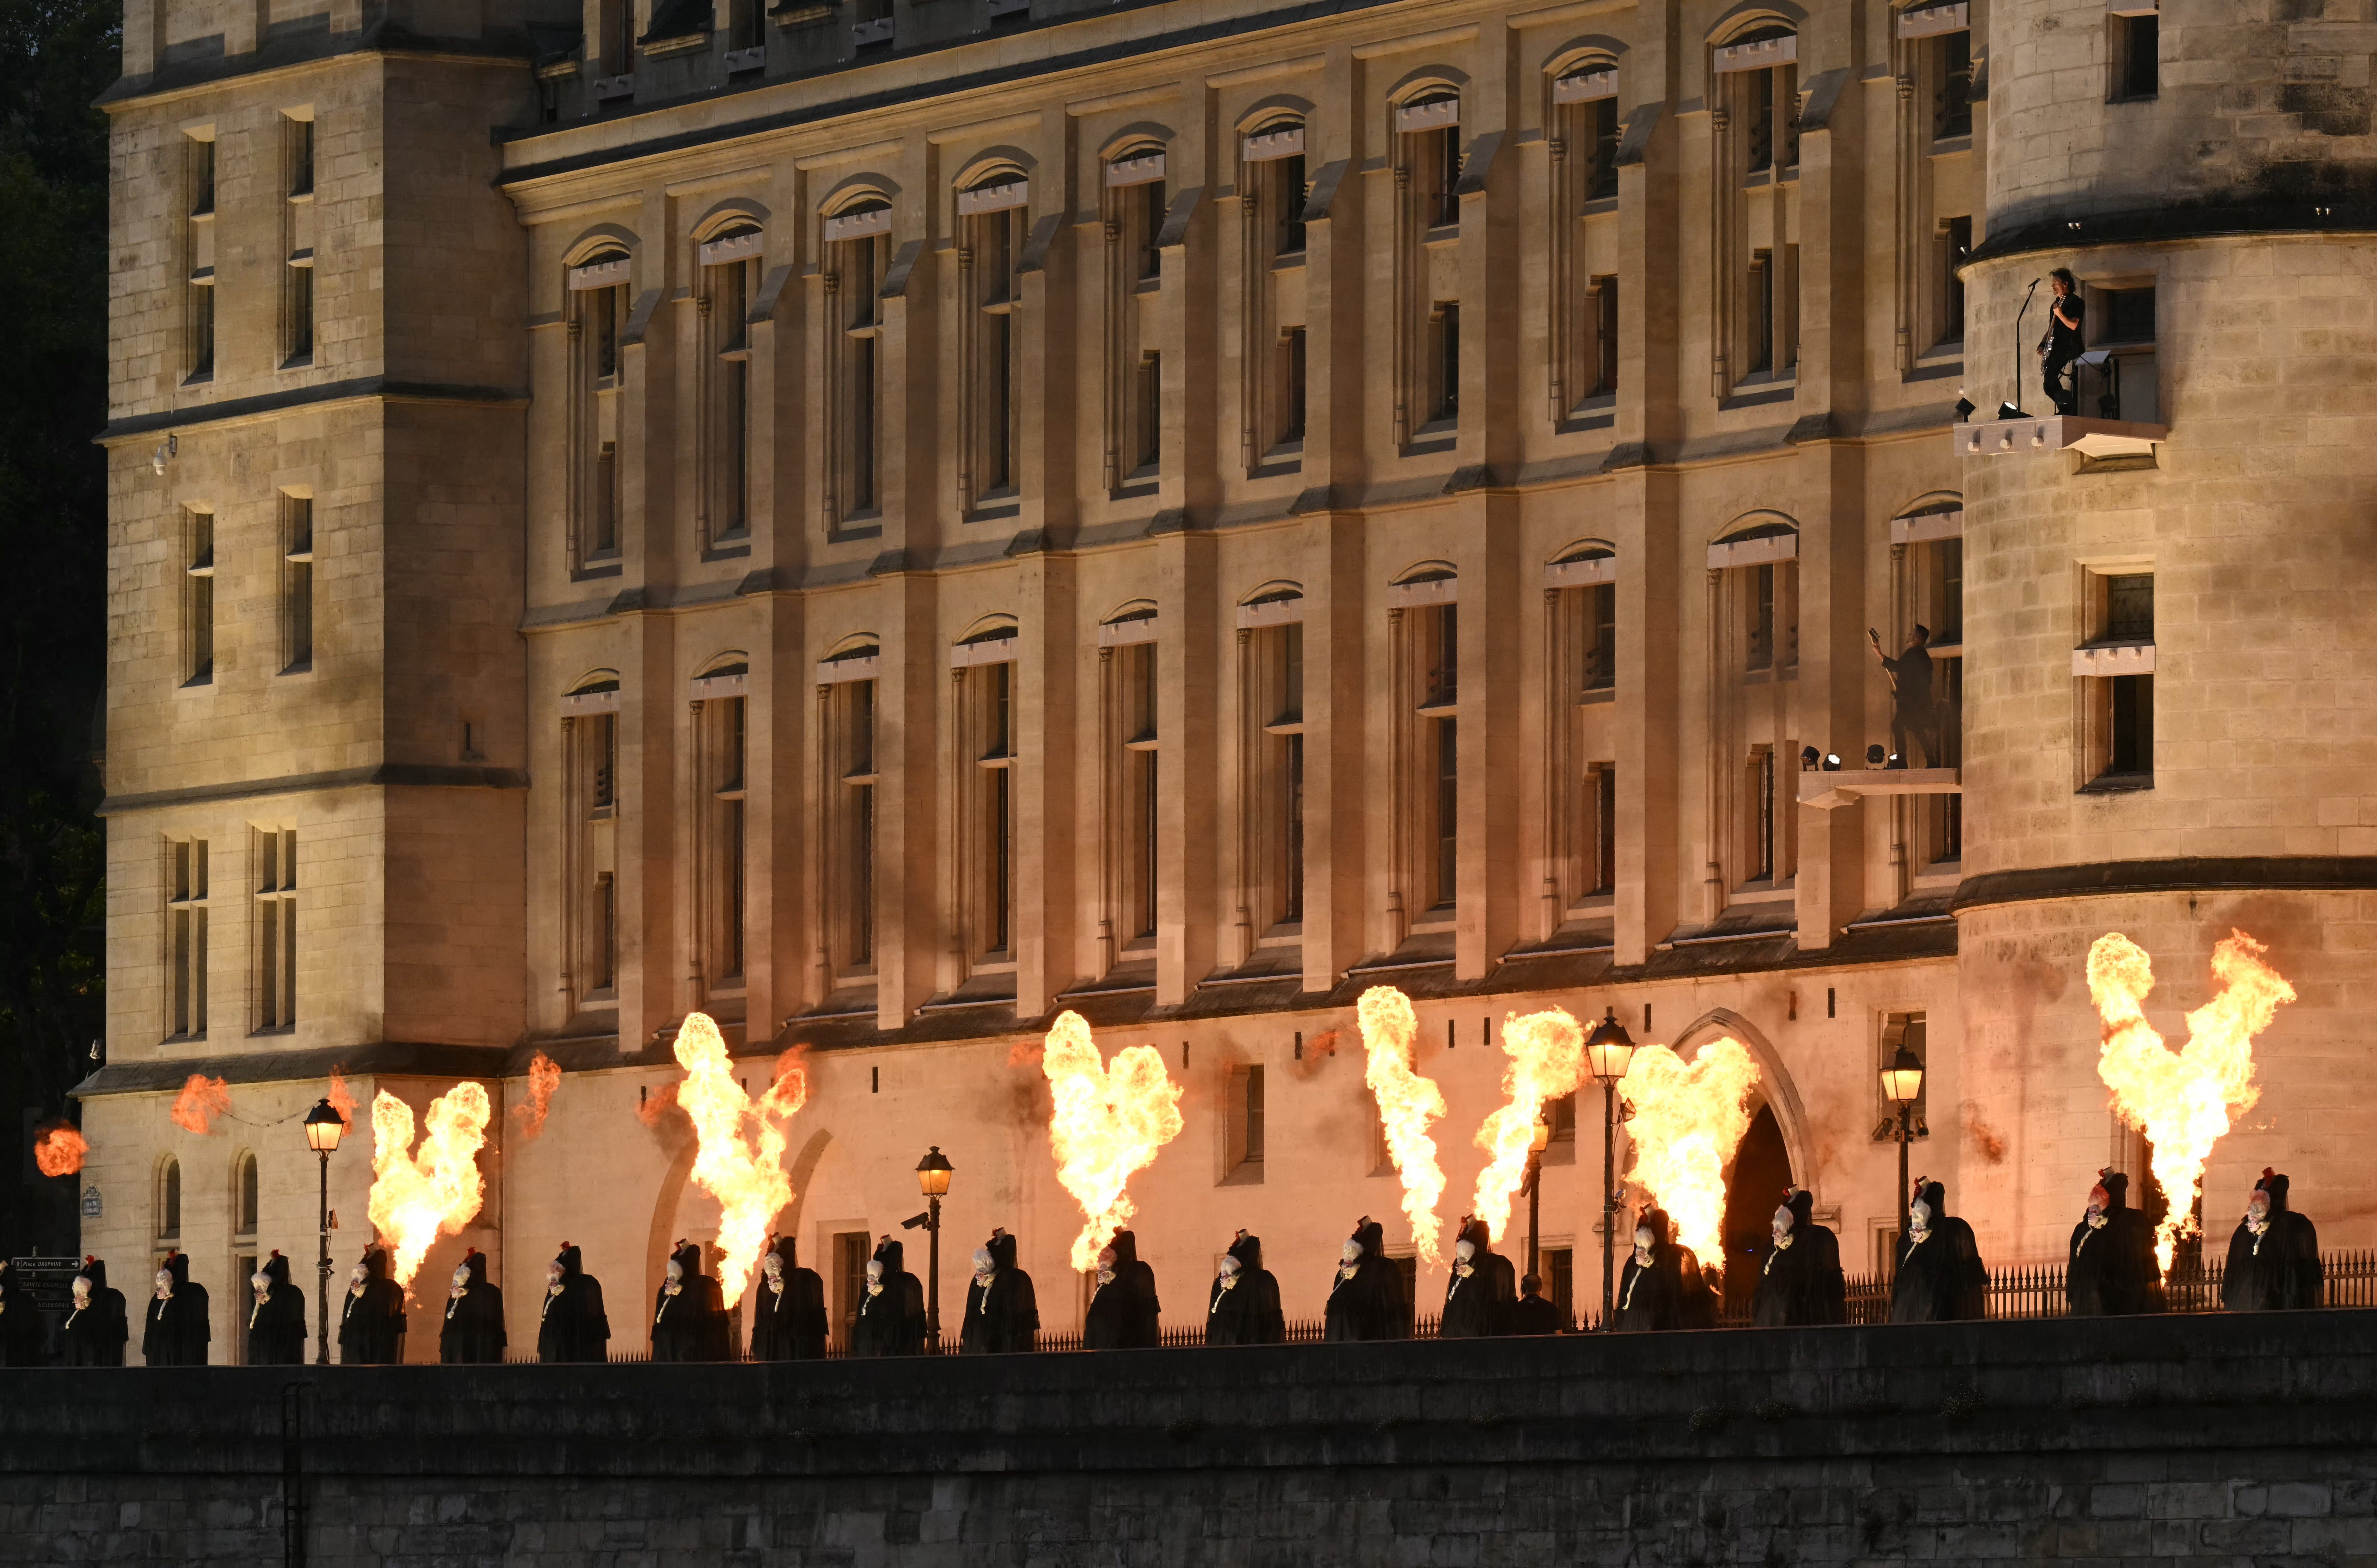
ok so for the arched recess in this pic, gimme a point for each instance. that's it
(168, 1207)
(595, 681)
(668, 1205)
(1775, 1086)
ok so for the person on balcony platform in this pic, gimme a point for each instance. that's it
(891, 1306)
(1800, 1282)
(1245, 1308)
(2273, 1258)
(1367, 1299)
(2111, 1271)
(571, 1325)
(97, 1325)
(1651, 1291)
(1002, 1312)
(1481, 1292)
(2064, 343)
(788, 1307)
(689, 1312)
(1530, 1313)
(176, 1331)
(276, 1324)
(472, 1334)
(1939, 1276)
(1124, 1314)
(371, 1318)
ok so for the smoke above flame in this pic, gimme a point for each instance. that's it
(2183, 1100)
(544, 1077)
(1407, 1104)
(739, 1143)
(342, 1100)
(201, 1101)
(1547, 1061)
(415, 1197)
(59, 1150)
(1688, 1123)
(1108, 1122)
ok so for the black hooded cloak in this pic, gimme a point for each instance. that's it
(2112, 1271)
(1939, 1276)
(1003, 1315)
(1366, 1301)
(2279, 1270)
(1478, 1306)
(371, 1321)
(276, 1325)
(472, 1334)
(1651, 1295)
(1801, 1283)
(1124, 1314)
(1247, 1311)
(571, 1325)
(95, 1336)
(175, 1332)
(788, 1316)
(689, 1324)
(22, 1330)
(891, 1319)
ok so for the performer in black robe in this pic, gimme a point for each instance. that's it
(891, 1306)
(689, 1310)
(787, 1308)
(1801, 1281)
(1530, 1313)
(1481, 1290)
(1651, 1290)
(97, 1327)
(1124, 1314)
(472, 1334)
(1245, 1308)
(571, 1325)
(2273, 1258)
(1366, 1301)
(1939, 1276)
(371, 1318)
(2112, 1270)
(1002, 1314)
(175, 1332)
(22, 1330)
(276, 1321)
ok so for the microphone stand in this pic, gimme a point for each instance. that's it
(2015, 402)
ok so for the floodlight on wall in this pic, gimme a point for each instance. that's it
(1874, 756)
(1809, 757)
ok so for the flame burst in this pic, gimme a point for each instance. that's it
(1547, 1061)
(416, 1197)
(544, 1077)
(1108, 1122)
(1407, 1103)
(59, 1150)
(2182, 1101)
(740, 1145)
(201, 1101)
(1688, 1121)
(342, 1100)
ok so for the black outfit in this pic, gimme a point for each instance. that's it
(2064, 344)
(1248, 1312)
(891, 1321)
(95, 1336)
(2112, 1271)
(690, 1326)
(1940, 1278)
(175, 1331)
(1912, 712)
(2278, 1270)
(1003, 1315)
(1368, 1301)
(472, 1334)
(276, 1326)
(1479, 1306)
(1651, 1294)
(1124, 1314)
(571, 1326)
(1801, 1283)
(788, 1316)
(23, 1331)
(1533, 1315)
(371, 1321)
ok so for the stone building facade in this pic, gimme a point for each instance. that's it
(884, 522)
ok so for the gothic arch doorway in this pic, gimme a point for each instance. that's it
(1754, 1186)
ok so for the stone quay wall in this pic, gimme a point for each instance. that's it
(2238, 1439)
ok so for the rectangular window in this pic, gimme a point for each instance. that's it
(1600, 607)
(1950, 57)
(1287, 194)
(2130, 752)
(1954, 246)
(1146, 205)
(591, 742)
(598, 323)
(1597, 132)
(852, 1252)
(198, 250)
(185, 938)
(725, 718)
(743, 25)
(1134, 672)
(199, 598)
(1559, 1281)
(1148, 417)
(1441, 166)
(1444, 368)
(1760, 334)
(1605, 334)
(1291, 394)
(1605, 823)
(1274, 710)
(850, 727)
(1244, 1156)
(274, 982)
(730, 433)
(296, 584)
(604, 539)
(988, 845)
(2120, 706)
(2136, 50)
(301, 314)
(297, 243)
(1761, 640)
(1757, 787)
(855, 405)
(992, 251)
(1448, 811)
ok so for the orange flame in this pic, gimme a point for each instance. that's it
(201, 1101)
(743, 1171)
(1688, 1121)
(341, 1101)
(1407, 1103)
(544, 1077)
(59, 1150)
(1547, 1061)
(2183, 1100)
(1108, 1122)
(415, 1198)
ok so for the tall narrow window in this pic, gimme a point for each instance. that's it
(1955, 244)
(243, 1199)
(983, 795)
(849, 714)
(198, 250)
(1426, 152)
(199, 598)
(1600, 608)
(722, 735)
(1271, 854)
(2122, 698)
(1758, 794)
(1583, 243)
(728, 278)
(1287, 193)
(858, 243)
(1605, 334)
(992, 218)
(169, 1205)
(274, 983)
(1001, 837)
(1291, 654)
(298, 242)
(1444, 753)
(597, 324)
(1148, 417)
(1444, 365)
(591, 787)
(1605, 823)
(1244, 1156)
(1292, 400)
(1760, 641)
(1272, 325)
(2136, 56)
(185, 938)
(1134, 211)
(296, 584)
(1132, 674)
(1760, 334)
(1948, 65)
(1755, 222)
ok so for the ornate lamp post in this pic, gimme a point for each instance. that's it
(1537, 1141)
(933, 1177)
(324, 1128)
(1902, 1084)
(1609, 1052)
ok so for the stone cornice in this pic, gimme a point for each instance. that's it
(385, 776)
(2205, 874)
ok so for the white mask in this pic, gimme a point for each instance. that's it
(81, 1292)
(2259, 1208)
(1229, 1267)
(1106, 1260)
(981, 1263)
(1783, 1222)
(1464, 1250)
(1643, 1241)
(772, 1264)
(553, 1277)
(357, 1278)
(675, 1271)
(1350, 1251)
(1918, 1215)
(875, 1268)
(262, 1282)
(164, 1285)
(462, 1280)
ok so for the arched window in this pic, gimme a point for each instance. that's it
(598, 310)
(169, 1202)
(243, 1197)
(857, 256)
(992, 217)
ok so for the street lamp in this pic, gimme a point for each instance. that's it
(1608, 1051)
(933, 1177)
(1539, 1138)
(1902, 1084)
(324, 1128)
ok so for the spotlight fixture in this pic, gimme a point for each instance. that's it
(1895, 761)
(1964, 406)
(2011, 411)
(1808, 758)
(1873, 757)
(1831, 762)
